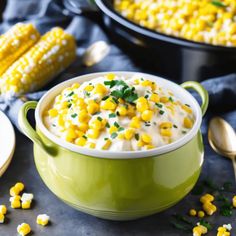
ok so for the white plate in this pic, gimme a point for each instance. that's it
(7, 142)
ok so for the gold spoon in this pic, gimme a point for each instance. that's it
(95, 53)
(222, 139)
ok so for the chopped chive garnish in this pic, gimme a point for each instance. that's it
(118, 113)
(74, 115)
(70, 94)
(161, 112)
(187, 105)
(69, 105)
(147, 124)
(87, 93)
(184, 132)
(218, 3)
(97, 113)
(116, 124)
(121, 129)
(99, 118)
(136, 136)
(142, 79)
(105, 139)
(115, 100)
(112, 115)
(53, 125)
(175, 126)
(159, 105)
(84, 137)
(108, 125)
(155, 123)
(171, 99)
(90, 84)
(146, 96)
(114, 135)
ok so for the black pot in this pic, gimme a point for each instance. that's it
(171, 57)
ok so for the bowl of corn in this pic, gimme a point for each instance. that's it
(180, 39)
(120, 145)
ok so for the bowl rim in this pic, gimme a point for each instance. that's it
(45, 100)
(110, 12)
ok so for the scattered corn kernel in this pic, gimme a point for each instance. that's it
(3, 209)
(192, 212)
(146, 138)
(107, 144)
(209, 208)
(188, 123)
(23, 229)
(26, 204)
(234, 201)
(154, 98)
(43, 219)
(166, 132)
(200, 214)
(93, 133)
(81, 141)
(129, 133)
(207, 198)
(199, 230)
(2, 218)
(147, 115)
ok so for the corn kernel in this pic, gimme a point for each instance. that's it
(166, 132)
(2, 218)
(135, 122)
(53, 112)
(209, 208)
(200, 214)
(96, 124)
(122, 111)
(166, 125)
(89, 88)
(192, 212)
(23, 229)
(26, 204)
(129, 133)
(91, 145)
(113, 129)
(100, 89)
(146, 138)
(199, 230)
(147, 115)
(93, 133)
(110, 76)
(207, 198)
(107, 144)
(142, 104)
(14, 191)
(81, 141)
(188, 123)
(234, 201)
(187, 109)
(141, 143)
(108, 104)
(164, 99)
(20, 186)
(149, 146)
(3, 209)
(83, 116)
(92, 108)
(70, 135)
(75, 86)
(15, 204)
(42, 219)
(83, 127)
(154, 98)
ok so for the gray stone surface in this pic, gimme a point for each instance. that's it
(69, 222)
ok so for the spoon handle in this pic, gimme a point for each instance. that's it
(234, 165)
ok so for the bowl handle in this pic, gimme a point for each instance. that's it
(27, 129)
(201, 91)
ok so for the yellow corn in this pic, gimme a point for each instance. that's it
(26, 204)
(147, 115)
(207, 198)
(110, 76)
(122, 110)
(164, 99)
(55, 51)
(92, 107)
(93, 133)
(188, 123)
(23, 229)
(146, 138)
(2, 218)
(108, 104)
(200, 214)
(209, 208)
(15, 42)
(135, 122)
(154, 98)
(100, 89)
(42, 219)
(113, 129)
(3, 209)
(96, 124)
(166, 132)
(129, 133)
(107, 144)
(234, 201)
(192, 212)
(199, 230)
(81, 141)
(166, 125)
(82, 127)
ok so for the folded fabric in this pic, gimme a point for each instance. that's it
(45, 14)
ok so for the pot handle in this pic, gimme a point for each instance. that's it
(27, 129)
(201, 91)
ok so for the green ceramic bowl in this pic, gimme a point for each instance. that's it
(118, 185)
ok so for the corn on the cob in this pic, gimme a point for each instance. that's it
(15, 42)
(55, 51)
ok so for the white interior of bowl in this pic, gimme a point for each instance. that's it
(179, 92)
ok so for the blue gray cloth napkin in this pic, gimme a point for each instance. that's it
(46, 14)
